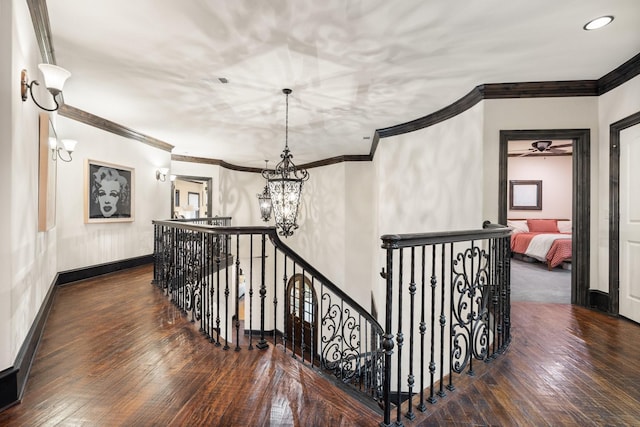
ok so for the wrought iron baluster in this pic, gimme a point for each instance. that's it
(296, 310)
(472, 314)
(251, 292)
(412, 293)
(314, 312)
(450, 386)
(226, 297)
(303, 304)
(218, 297)
(443, 319)
(422, 407)
(275, 291)
(432, 364)
(399, 339)
(237, 296)
(262, 344)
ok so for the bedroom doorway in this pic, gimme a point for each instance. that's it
(529, 202)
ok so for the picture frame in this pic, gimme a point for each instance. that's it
(525, 195)
(108, 192)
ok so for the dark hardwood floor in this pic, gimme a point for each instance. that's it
(115, 352)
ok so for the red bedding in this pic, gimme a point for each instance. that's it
(559, 251)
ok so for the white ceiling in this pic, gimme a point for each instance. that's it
(354, 65)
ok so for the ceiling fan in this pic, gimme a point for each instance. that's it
(546, 146)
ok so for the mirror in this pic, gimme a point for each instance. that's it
(191, 197)
(47, 173)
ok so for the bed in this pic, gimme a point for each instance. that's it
(544, 240)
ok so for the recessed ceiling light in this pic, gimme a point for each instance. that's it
(598, 23)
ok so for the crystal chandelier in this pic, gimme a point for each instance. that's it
(285, 185)
(264, 200)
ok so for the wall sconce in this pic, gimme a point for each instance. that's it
(66, 146)
(54, 78)
(161, 174)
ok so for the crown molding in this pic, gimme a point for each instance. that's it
(79, 115)
(576, 88)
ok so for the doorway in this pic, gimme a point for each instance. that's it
(540, 176)
(191, 197)
(302, 319)
(580, 199)
(624, 232)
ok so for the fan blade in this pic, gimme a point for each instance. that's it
(525, 154)
(563, 145)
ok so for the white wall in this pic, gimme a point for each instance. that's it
(82, 245)
(614, 105)
(27, 257)
(431, 179)
(534, 114)
(555, 172)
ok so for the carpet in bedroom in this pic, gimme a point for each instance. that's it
(533, 282)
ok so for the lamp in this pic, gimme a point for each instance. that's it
(161, 174)
(54, 78)
(285, 185)
(65, 146)
(264, 199)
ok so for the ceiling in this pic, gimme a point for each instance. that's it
(354, 66)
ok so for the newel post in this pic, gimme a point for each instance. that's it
(387, 338)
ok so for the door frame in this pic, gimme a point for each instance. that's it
(614, 208)
(305, 281)
(580, 200)
(208, 181)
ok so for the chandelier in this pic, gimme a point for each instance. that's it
(264, 200)
(285, 185)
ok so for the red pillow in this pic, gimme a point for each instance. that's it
(543, 225)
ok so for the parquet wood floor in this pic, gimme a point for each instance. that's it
(115, 352)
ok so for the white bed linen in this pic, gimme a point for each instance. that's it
(540, 245)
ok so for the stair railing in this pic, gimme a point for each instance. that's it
(204, 269)
(447, 303)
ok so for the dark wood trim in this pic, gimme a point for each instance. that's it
(613, 79)
(581, 200)
(374, 144)
(40, 20)
(337, 159)
(74, 275)
(614, 208)
(8, 388)
(496, 91)
(460, 106)
(620, 75)
(14, 379)
(216, 162)
(223, 164)
(599, 300)
(81, 116)
(554, 89)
